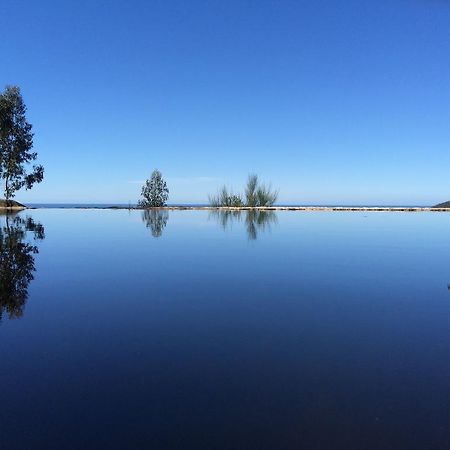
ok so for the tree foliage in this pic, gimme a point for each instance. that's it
(155, 192)
(16, 143)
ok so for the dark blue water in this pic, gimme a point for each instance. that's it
(187, 329)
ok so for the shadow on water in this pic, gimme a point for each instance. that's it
(255, 220)
(156, 220)
(17, 261)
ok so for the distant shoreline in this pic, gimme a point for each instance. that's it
(11, 205)
(246, 208)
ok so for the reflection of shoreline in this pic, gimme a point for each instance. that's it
(17, 262)
(256, 220)
(259, 208)
(156, 220)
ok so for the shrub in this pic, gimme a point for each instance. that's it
(226, 198)
(259, 194)
(250, 190)
(256, 195)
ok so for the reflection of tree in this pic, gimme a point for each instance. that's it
(17, 263)
(256, 220)
(156, 220)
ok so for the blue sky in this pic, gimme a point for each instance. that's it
(342, 102)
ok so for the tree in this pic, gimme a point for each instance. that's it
(16, 143)
(154, 192)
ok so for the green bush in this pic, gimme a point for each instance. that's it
(259, 194)
(256, 195)
(226, 198)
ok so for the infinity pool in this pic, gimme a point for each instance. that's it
(205, 330)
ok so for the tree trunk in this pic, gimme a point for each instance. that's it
(8, 192)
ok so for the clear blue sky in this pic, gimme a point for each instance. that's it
(332, 101)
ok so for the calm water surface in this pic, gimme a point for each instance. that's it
(187, 329)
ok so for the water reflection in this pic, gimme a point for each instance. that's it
(156, 220)
(256, 220)
(17, 262)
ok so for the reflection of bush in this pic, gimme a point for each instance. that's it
(255, 220)
(156, 220)
(256, 195)
(226, 217)
(17, 263)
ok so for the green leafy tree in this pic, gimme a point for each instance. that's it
(154, 192)
(16, 143)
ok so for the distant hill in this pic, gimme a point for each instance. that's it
(12, 204)
(442, 205)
